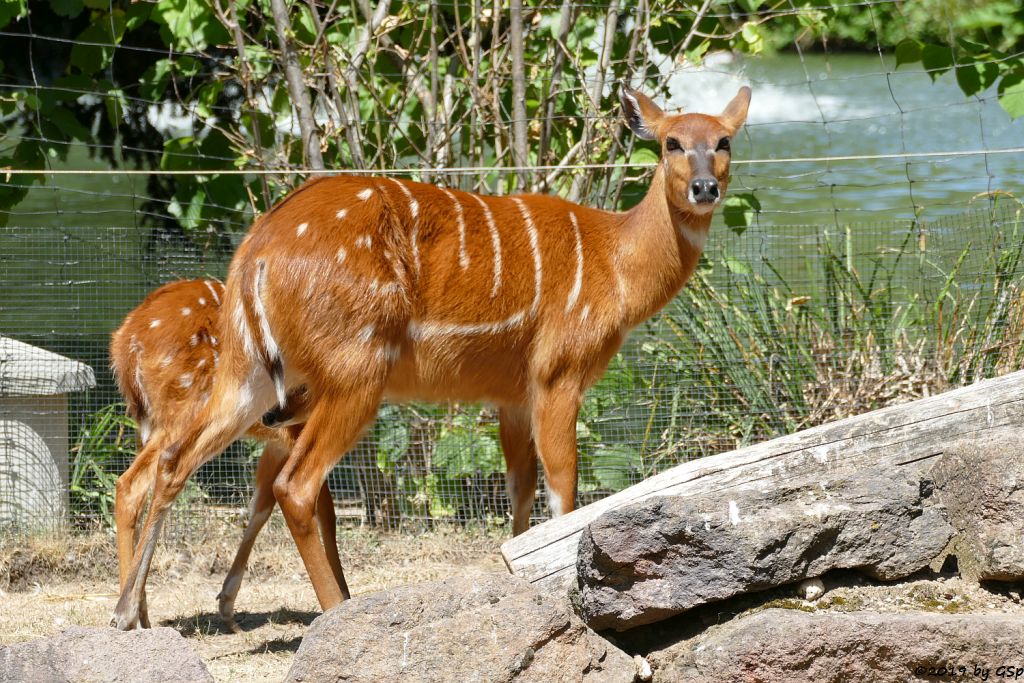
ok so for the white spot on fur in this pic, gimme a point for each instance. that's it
(301, 230)
(242, 325)
(555, 502)
(155, 323)
(145, 429)
(365, 194)
(366, 334)
(193, 341)
(414, 210)
(341, 214)
(201, 363)
(696, 238)
(531, 231)
(202, 301)
(585, 313)
(342, 253)
(213, 292)
(186, 311)
(577, 284)
(166, 361)
(185, 380)
(364, 242)
(495, 243)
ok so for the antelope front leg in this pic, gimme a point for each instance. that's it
(555, 408)
(521, 462)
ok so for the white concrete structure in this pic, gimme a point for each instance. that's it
(34, 384)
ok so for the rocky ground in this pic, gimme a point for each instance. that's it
(915, 574)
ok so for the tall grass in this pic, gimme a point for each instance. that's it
(744, 354)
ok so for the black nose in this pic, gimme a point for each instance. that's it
(705, 190)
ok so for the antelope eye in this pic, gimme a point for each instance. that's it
(723, 145)
(672, 145)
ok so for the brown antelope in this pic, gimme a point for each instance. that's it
(369, 288)
(163, 356)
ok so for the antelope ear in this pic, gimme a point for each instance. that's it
(736, 111)
(640, 112)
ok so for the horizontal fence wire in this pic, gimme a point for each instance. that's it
(870, 252)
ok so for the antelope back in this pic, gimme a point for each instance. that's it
(165, 351)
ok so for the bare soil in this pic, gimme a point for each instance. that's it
(49, 584)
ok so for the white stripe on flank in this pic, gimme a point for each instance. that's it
(269, 344)
(365, 194)
(696, 238)
(301, 229)
(242, 325)
(577, 284)
(495, 242)
(213, 292)
(414, 209)
(531, 230)
(461, 220)
(421, 331)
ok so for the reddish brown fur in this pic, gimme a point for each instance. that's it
(149, 364)
(401, 318)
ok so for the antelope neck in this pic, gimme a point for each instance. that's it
(656, 251)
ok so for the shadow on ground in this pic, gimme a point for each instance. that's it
(210, 623)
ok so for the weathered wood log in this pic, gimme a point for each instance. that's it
(907, 435)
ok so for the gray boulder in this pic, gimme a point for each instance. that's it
(981, 483)
(792, 645)
(82, 654)
(492, 627)
(649, 561)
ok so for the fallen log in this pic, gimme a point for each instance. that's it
(906, 435)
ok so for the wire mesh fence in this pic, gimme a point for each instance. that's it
(869, 254)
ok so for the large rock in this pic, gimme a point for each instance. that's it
(981, 483)
(493, 627)
(791, 645)
(82, 654)
(646, 562)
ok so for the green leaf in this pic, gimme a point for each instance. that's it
(908, 51)
(188, 26)
(67, 8)
(739, 210)
(1011, 93)
(968, 78)
(736, 266)
(9, 9)
(937, 59)
(613, 466)
(94, 46)
(642, 156)
(753, 36)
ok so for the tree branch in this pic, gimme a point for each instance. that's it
(297, 86)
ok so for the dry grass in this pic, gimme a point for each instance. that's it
(50, 584)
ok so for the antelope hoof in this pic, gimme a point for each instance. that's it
(126, 622)
(226, 608)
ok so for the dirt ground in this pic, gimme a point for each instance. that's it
(47, 585)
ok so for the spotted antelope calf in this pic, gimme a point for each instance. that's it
(370, 288)
(164, 355)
